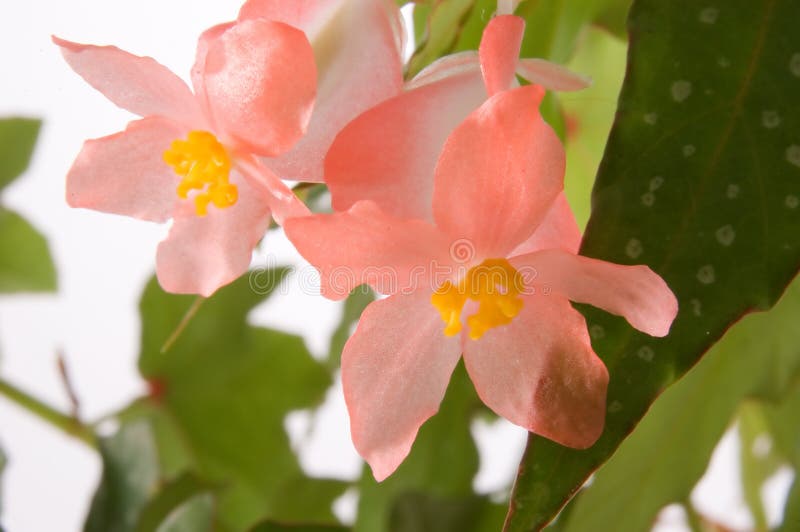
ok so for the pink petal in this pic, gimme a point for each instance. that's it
(395, 370)
(499, 173)
(125, 173)
(634, 292)
(282, 201)
(551, 76)
(138, 84)
(260, 81)
(307, 15)
(207, 38)
(466, 62)
(365, 245)
(204, 253)
(359, 69)
(540, 372)
(558, 230)
(388, 154)
(499, 51)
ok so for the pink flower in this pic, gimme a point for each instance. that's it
(209, 160)
(388, 153)
(480, 262)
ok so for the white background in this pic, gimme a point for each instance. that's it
(103, 262)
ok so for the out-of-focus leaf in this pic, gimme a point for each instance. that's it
(701, 181)
(791, 512)
(442, 462)
(354, 305)
(613, 15)
(194, 515)
(270, 526)
(758, 458)
(227, 386)
(417, 512)
(471, 32)
(3, 462)
(443, 25)
(168, 499)
(553, 26)
(589, 114)
(130, 475)
(784, 426)
(422, 10)
(667, 453)
(25, 261)
(17, 139)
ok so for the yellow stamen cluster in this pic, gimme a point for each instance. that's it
(495, 284)
(204, 165)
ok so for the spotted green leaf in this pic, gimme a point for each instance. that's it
(700, 180)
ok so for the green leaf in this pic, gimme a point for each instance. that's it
(442, 462)
(758, 458)
(17, 139)
(194, 515)
(668, 452)
(442, 28)
(791, 513)
(3, 462)
(553, 26)
(417, 512)
(612, 17)
(130, 474)
(169, 498)
(270, 526)
(25, 261)
(227, 387)
(354, 305)
(699, 181)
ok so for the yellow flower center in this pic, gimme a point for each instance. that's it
(204, 165)
(495, 284)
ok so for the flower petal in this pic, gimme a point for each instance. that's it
(499, 173)
(499, 51)
(260, 81)
(634, 292)
(125, 173)
(551, 75)
(540, 372)
(139, 84)
(281, 199)
(558, 230)
(204, 253)
(395, 370)
(388, 154)
(207, 38)
(360, 65)
(365, 245)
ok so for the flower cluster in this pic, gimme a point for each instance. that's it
(312, 91)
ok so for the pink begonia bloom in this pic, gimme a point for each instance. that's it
(358, 46)
(396, 143)
(248, 123)
(484, 265)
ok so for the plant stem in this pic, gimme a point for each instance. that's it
(67, 424)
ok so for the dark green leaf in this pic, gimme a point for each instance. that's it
(17, 139)
(25, 261)
(168, 499)
(669, 450)
(613, 16)
(130, 475)
(227, 387)
(442, 462)
(416, 512)
(699, 181)
(285, 527)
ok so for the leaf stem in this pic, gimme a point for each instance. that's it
(67, 424)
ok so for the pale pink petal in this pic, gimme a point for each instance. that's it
(365, 245)
(466, 62)
(634, 292)
(558, 230)
(282, 201)
(395, 370)
(540, 372)
(551, 76)
(388, 154)
(260, 81)
(359, 66)
(499, 51)
(207, 38)
(203, 253)
(499, 173)
(125, 173)
(139, 84)
(311, 16)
